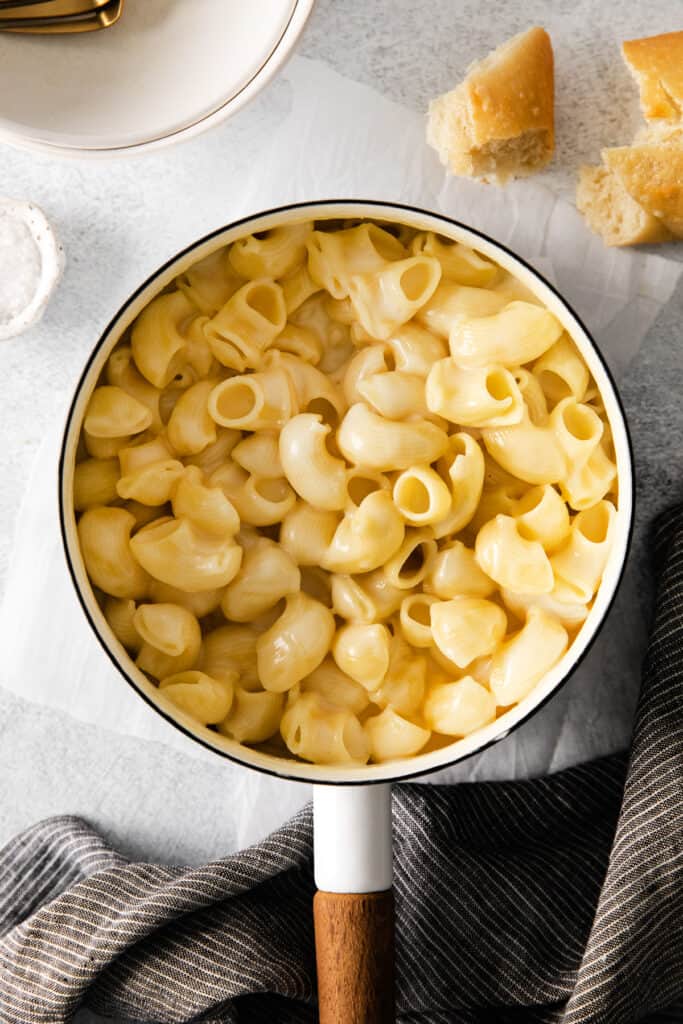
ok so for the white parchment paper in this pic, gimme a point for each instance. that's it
(339, 139)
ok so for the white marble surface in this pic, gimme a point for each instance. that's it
(151, 800)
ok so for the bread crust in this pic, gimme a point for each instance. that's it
(511, 91)
(653, 176)
(657, 65)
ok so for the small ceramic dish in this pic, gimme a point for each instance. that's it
(31, 263)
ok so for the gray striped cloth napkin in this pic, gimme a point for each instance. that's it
(553, 901)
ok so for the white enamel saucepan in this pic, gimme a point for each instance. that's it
(352, 805)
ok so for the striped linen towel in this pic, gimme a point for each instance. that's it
(553, 901)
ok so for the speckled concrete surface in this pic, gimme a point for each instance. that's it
(119, 220)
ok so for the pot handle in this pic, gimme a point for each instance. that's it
(354, 907)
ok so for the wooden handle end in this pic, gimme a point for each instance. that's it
(354, 946)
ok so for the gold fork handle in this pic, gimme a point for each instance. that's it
(52, 9)
(23, 4)
(104, 17)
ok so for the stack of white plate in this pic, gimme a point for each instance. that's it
(168, 70)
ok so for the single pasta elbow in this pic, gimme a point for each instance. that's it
(316, 475)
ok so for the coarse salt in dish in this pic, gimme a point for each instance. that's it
(31, 263)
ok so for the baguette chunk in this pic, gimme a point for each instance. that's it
(656, 63)
(499, 122)
(653, 176)
(612, 213)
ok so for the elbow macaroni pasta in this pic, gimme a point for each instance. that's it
(483, 396)
(316, 475)
(295, 644)
(458, 262)
(395, 394)
(190, 428)
(345, 493)
(95, 483)
(388, 298)
(205, 699)
(362, 652)
(159, 339)
(452, 302)
(112, 412)
(171, 639)
(367, 537)
(403, 686)
(266, 575)
(374, 442)
(510, 560)
(520, 332)
(245, 326)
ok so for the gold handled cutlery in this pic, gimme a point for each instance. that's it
(54, 17)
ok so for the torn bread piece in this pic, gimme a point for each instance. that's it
(612, 213)
(653, 176)
(657, 66)
(499, 122)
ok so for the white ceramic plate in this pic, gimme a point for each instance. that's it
(167, 70)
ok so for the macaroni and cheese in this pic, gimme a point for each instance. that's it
(346, 491)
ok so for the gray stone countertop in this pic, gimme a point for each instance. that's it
(152, 801)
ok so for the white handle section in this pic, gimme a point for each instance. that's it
(352, 838)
